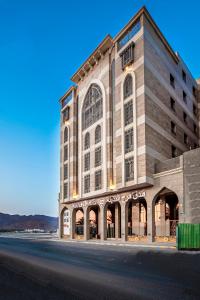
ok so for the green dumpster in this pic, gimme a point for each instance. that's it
(188, 236)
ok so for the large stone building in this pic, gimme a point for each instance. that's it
(130, 162)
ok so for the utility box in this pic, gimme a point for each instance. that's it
(188, 237)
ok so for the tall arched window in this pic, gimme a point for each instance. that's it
(128, 86)
(92, 107)
(87, 141)
(97, 134)
(65, 134)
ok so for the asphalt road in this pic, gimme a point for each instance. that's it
(36, 269)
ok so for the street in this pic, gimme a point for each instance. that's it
(42, 269)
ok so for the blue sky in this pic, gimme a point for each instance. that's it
(42, 44)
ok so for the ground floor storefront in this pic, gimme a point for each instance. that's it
(129, 216)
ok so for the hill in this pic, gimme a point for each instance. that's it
(18, 222)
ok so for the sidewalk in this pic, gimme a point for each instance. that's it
(119, 243)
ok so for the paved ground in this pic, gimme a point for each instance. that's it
(40, 269)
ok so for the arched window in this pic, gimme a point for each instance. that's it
(92, 107)
(65, 134)
(97, 134)
(128, 86)
(87, 141)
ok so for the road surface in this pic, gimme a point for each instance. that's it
(39, 269)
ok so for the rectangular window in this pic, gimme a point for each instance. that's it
(174, 151)
(184, 97)
(129, 140)
(127, 56)
(128, 113)
(66, 114)
(172, 102)
(185, 117)
(65, 190)
(129, 169)
(184, 75)
(129, 34)
(65, 171)
(98, 180)
(172, 81)
(87, 184)
(97, 156)
(194, 92)
(194, 110)
(87, 162)
(65, 153)
(185, 139)
(173, 127)
(67, 99)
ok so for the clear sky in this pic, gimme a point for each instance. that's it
(42, 43)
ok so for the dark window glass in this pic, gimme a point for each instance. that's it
(129, 34)
(66, 153)
(98, 134)
(184, 75)
(128, 86)
(65, 171)
(172, 81)
(129, 169)
(65, 190)
(172, 103)
(128, 112)
(65, 134)
(127, 56)
(184, 97)
(174, 151)
(87, 184)
(97, 156)
(129, 140)
(87, 162)
(98, 180)
(87, 141)
(173, 128)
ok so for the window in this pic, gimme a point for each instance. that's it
(66, 153)
(129, 169)
(184, 97)
(127, 56)
(174, 151)
(173, 127)
(66, 114)
(87, 141)
(128, 86)
(87, 162)
(65, 171)
(129, 34)
(67, 99)
(128, 113)
(184, 75)
(98, 134)
(92, 107)
(194, 92)
(185, 139)
(65, 135)
(195, 128)
(129, 140)
(194, 110)
(185, 117)
(97, 156)
(172, 103)
(98, 180)
(65, 190)
(172, 81)
(87, 184)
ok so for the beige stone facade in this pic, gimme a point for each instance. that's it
(130, 162)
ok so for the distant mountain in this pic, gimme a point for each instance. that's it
(17, 222)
